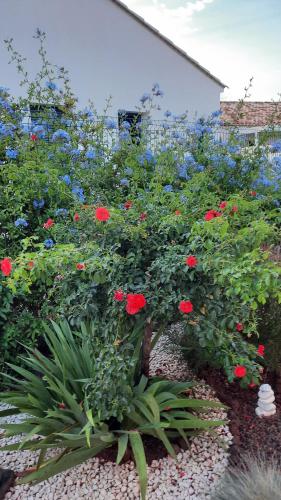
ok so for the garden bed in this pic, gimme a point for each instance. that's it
(258, 436)
(194, 475)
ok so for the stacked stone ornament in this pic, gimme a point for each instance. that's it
(266, 406)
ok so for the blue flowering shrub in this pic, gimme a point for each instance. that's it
(122, 235)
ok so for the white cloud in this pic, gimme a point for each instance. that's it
(222, 56)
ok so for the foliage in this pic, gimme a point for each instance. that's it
(57, 405)
(269, 328)
(259, 478)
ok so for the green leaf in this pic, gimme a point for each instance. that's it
(122, 446)
(139, 455)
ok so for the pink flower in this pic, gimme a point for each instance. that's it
(81, 266)
(76, 217)
(223, 205)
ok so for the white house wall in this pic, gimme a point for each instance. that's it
(107, 52)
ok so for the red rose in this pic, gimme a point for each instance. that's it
(234, 208)
(135, 302)
(128, 204)
(253, 193)
(102, 214)
(61, 406)
(191, 261)
(211, 214)
(119, 295)
(143, 216)
(33, 137)
(76, 217)
(186, 306)
(239, 327)
(30, 264)
(223, 204)
(6, 266)
(177, 212)
(240, 371)
(48, 224)
(80, 266)
(260, 350)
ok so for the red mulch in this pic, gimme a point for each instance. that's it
(250, 433)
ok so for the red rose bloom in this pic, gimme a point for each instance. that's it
(253, 193)
(6, 266)
(135, 302)
(102, 214)
(76, 217)
(48, 224)
(223, 204)
(143, 216)
(61, 406)
(119, 295)
(239, 327)
(30, 264)
(177, 212)
(191, 261)
(211, 214)
(260, 350)
(240, 371)
(128, 204)
(33, 137)
(80, 266)
(234, 208)
(186, 306)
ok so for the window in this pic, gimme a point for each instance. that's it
(132, 121)
(248, 139)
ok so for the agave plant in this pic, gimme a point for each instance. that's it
(55, 408)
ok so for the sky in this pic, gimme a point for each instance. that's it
(234, 39)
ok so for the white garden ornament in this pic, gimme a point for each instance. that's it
(266, 406)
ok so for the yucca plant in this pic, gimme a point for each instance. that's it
(55, 408)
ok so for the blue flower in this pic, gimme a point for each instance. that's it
(75, 152)
(182, 171)
(39, 131)
(230, 162)
(128, 171)
(124, 182)
(126, 125)
(38, 204)
(145, 97)
(124, 135)
(21, 222)
(51, 86)
(91, 154)
(66, 178)
(156, 90)
(61, 212)
(78, 191)
(276, 147)
(168, 188)
(61, 134)
(116, 148)
(110, 124)
(183, 198)
(49, 243)
(11, 153)
(148, 156)
(7, 129)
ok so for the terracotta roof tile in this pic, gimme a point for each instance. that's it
(252, 113)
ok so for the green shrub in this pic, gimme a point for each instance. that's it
(63, 404)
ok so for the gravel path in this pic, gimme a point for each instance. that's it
(193, 477)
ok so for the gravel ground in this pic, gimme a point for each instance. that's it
(193, 477)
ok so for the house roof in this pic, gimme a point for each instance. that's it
(251, 113)
(168, 41)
